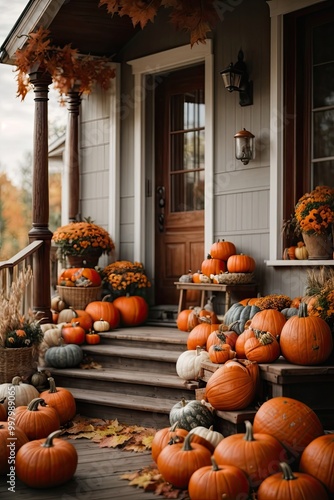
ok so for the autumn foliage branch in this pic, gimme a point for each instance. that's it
(66, 67)
(196, 17)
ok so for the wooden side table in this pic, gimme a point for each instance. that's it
(247, 289)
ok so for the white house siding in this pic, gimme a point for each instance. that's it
(241, 193)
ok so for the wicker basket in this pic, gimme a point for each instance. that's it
(235, 278)
(17, 361)
(78, 297)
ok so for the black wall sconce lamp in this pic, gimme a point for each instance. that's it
(235, 77)
(244, 146)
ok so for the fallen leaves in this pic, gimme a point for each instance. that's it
(111, 433)
(150, 479)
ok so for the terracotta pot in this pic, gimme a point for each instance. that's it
(319, 246)
(88, 260)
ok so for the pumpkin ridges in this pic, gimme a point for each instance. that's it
(61, 400)
(317, 460)
(6, 438)
(292, 422)
(133, 309)
(36, 419)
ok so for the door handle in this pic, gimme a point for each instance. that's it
(161, 207)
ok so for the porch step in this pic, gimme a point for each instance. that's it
(124, 382)
(137, 382)
(131, 409)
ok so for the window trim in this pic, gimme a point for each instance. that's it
(277, 126)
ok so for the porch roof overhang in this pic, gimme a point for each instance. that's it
(82, 23)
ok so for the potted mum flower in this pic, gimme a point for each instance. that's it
(124, 277)
(82, 243)
(314, 213)
(20, 334)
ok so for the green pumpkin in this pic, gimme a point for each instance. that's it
(289, 312)
(64, 356)
(240, 313)
(190, 414)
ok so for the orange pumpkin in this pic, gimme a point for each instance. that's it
(214, 481)
(73, 333)
(187, 320)
(167, 436)
(221, 336)
(75, 274)
(212, 266)
(257, 454)
(240, 342)
(37, 420)
(317, 460)
(133, 310)
(61, 400)
(83, 318)
(220, 353)
(290, 421)
(262, 348)
(3, 411)
(92, 338)
(240, 263)
(306, 340)
(102, 309)
(9, 442)
(222, 250)
(291, 485)
(199, 334)
(268, 320)
(233, 386)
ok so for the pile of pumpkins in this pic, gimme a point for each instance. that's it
(30, 444)
(253, 335)
(284, 455)
(72, 327)
(222, 258)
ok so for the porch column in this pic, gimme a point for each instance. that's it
(73, 104)
(40, 196)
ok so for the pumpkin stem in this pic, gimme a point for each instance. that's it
(287, 472)
(16, 381)
(187, 443)
(302, 310)
(49, 440)
(249, 436)
(33, 405)
(214, 464)
(183, 401)
(53, 387)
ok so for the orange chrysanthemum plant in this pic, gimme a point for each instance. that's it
(314, 211)
(67, 68)
(81, 238)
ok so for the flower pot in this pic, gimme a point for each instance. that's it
(88, 260)
(20, 361)
(319, 246)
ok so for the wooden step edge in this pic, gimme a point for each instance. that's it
(132, 352)
(125, 401)
(140, 378)
(238, 416)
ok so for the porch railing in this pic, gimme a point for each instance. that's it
(11, 268)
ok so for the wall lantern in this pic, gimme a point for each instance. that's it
(235, 77)
(244, 146)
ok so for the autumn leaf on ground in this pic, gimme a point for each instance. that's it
(114, 441)
(150, 479)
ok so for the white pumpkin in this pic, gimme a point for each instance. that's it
(213, 437)
(188, 364)
(52, 336)
(20, 393)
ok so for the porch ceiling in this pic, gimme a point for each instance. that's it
(91, 29)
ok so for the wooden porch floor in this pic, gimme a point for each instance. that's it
(97, 477)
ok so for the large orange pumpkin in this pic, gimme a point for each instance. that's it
(292, 422)
(37, 420)
(10, 442)
(240, 263)
(222, 250)
(212, 266)
(133, 310)
(200, 334)
(306, 340)
(268, 320)
(233, 386)
(291, 486)
(318, 458)
(257, 454)
(102, 309)
(262, 348)
(61, 399)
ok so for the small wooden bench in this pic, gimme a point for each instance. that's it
(241, 291)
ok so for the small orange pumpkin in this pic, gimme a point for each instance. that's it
(222, 250)
(212, 266)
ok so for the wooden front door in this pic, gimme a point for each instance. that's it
(179, 173)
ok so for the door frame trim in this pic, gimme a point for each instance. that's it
(149, 65)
